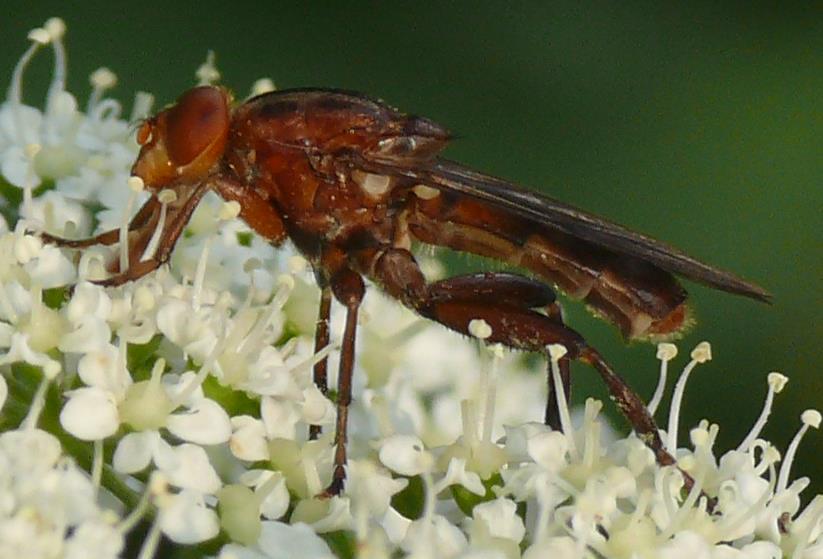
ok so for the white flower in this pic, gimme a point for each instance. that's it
(47, 505)
(271, 488)
(428, 404)
(406, 455)
(457, 474)
(434, 537)
(90, 414)
(499, 519)
(371, 487)
(281, 541)
(187, 465)
(185, 518)
(248, 439)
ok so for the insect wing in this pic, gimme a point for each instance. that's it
(450, 176)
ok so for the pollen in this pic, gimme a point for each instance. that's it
(40, 36)
(103, 78)
(812, 418)
(480, 329)
(702, 352)
(167, 196)
(229, 210)
(135, 184)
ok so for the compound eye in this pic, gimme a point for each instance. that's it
(145, 133)
(198, 120)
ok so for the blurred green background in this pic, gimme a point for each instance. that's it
(698, 124)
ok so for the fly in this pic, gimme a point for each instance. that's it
(353, 182)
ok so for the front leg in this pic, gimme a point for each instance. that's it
(140, 220)
(178, 214)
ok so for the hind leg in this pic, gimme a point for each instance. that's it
(506, 303)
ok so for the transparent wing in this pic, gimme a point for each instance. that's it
(453, 177)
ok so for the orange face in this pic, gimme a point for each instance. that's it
(183, 143)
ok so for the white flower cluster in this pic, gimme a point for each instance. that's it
(48, 506)
(187, 397)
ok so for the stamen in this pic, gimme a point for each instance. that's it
(776, 383)
(428, 509)
(297, 264)
(769, 456)
(727, 525)
(810, 418)
(136, 186)
(198, 379)
(591, 432)
(165, 197)
(700, 354)
(56, 28)
(687, 464)
(157, 373)
(491, 391)
(200, 274)
(229, 210)
(545, 503)
(261, 86)
(314, 359)
(158, 487)
(107, 109)
(31, 181)
(249, 267)
(405, 334)
(207, 73)
(39, 37)
(642, 504)
(665, 353)
(101, 80)
(92, 266)
(806, 524)
(142, 106)
(479, 328)
(142, 506)
(38, 402)
(556, 352)
(668, 475)
(257, 333)
(468, 414)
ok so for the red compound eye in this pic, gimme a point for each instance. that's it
(144, 133)
(198, 121)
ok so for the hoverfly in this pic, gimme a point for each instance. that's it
(353, 182)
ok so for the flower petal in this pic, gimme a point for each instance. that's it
(133, 452)
(204, 423)
(51, 268)
(185, 519)
(90, 414)
(248, 441)
(405, 454)
(282, 541)
(193, 470)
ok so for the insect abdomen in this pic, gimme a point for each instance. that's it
(638, 297)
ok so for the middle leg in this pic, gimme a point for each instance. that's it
(349, 289)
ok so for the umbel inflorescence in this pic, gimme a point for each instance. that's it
(182, 401)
